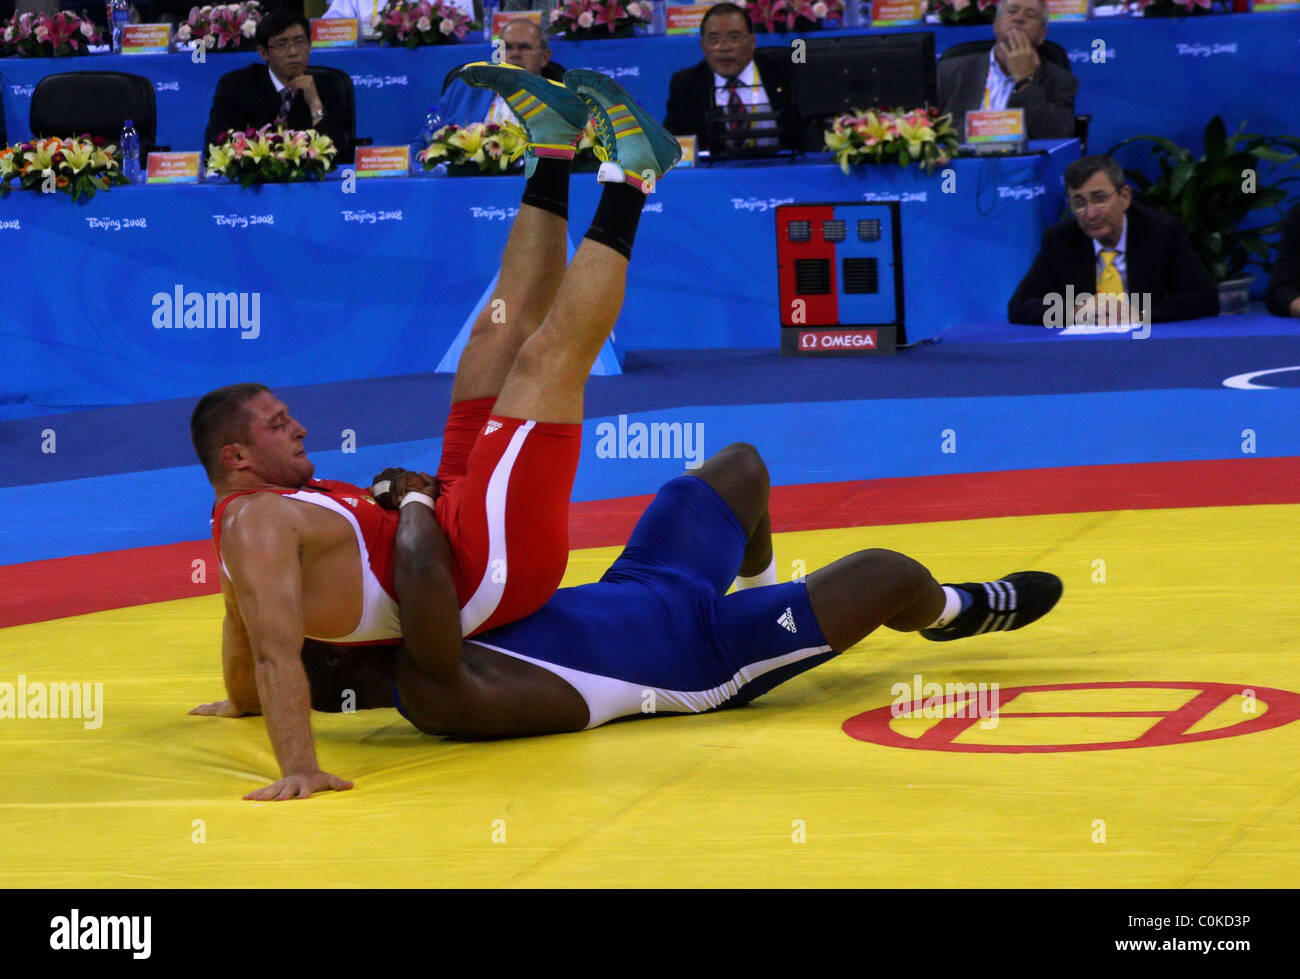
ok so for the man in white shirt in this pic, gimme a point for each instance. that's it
(733, 78)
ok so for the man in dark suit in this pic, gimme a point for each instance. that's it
(732, 78)
(1112, 247)
(1283, 296)
(1012, 76)
(279, 89)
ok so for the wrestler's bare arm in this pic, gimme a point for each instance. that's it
(237, 666)
(260, 545)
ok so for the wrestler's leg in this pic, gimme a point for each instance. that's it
(531, 269)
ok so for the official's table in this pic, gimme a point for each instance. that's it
(380, 281)
(1136, 75)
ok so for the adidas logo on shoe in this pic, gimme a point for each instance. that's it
(786, 621)
(491, 427)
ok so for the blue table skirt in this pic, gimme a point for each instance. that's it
(1166, 76)
(379, 282)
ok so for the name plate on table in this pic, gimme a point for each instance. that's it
(685, 19)
(1067, 10)
(383, 161)
(996, 130)
(503, 17)
(896, 13)
(336, 32)
(687, 144)
(146, 38)
(173, 168)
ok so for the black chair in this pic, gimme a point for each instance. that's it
(71, 103)
(1048, 51)
(335, 86)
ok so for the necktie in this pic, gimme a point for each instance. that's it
(734, 105)
(286, 100)
(1109, 280)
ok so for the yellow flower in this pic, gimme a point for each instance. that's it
(259, 148)
(324, 146)
(77, 155)
(467, 139)
(219, 157)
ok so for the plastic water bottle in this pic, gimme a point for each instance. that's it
(432, 123)
(852, 13)
(119, 15)
(489, 12)
(658, 18)
(130, 147)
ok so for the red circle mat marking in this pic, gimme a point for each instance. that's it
(1170, 728)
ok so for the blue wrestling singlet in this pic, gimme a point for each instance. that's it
(657, 633)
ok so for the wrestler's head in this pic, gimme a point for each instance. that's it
(246, 439)
(348, 678)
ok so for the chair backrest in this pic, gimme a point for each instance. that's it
(1048, 51)
(71, 103)
(339, 84)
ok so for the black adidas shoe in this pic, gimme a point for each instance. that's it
(1001, 606)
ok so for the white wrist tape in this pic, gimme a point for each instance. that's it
(381, 487)
(423, 499)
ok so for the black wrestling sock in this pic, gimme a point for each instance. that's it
(548, 187)
(617, 216)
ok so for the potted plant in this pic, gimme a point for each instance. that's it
(1214, 193)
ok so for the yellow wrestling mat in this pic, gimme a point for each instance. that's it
(772, 794)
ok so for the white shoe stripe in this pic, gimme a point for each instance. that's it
(990, 594)
(487, 596)
(1012, 595)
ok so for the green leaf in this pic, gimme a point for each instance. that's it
(1216, 140)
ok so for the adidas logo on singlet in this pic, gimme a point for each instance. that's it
(491, 427)
(786, 621)
(350, 501)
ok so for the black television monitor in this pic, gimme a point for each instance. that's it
(866, 71)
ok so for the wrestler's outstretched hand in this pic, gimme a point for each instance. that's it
(220, 708)
(299, 787)
(393, 483)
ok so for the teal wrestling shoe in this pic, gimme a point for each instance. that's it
(553, 117)
(636, 148)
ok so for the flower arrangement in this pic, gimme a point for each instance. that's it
(31, 35)
(586, 19)
(481, 147)
(773, 16)
(264, 156)
(224, 27)
(78, 166)
(955, 12)
(423, 22)
(885, 137)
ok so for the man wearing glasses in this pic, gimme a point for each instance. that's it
(1112, 261)
(280, 90)
(1012, 76)
(522, 44)
(735, 79)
